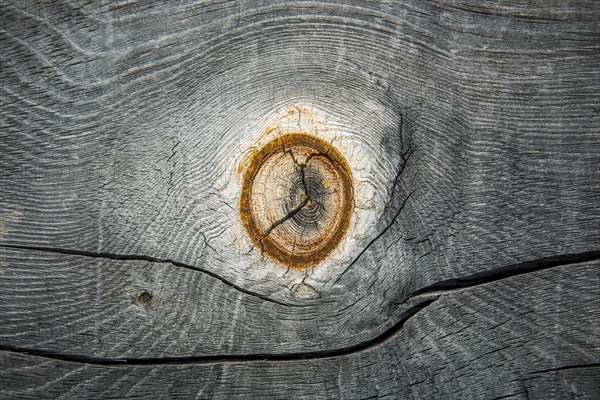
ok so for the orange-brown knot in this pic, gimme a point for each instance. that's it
(297, 199)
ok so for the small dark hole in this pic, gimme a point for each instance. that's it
(145, 298)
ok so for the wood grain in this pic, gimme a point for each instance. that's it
(473, 131)
(520, 337)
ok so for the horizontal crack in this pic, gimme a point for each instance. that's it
(479, 279)
(318, 354)
(509, 271)
(566, 367)
(137, 257)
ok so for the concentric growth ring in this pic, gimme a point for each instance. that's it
(297, 199)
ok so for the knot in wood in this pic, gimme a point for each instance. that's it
(297, 199)
(145, 298)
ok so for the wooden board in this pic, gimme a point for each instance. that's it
(473, 132)
(520, 337)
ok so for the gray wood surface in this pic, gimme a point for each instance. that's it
(528, 336)
(471, 271)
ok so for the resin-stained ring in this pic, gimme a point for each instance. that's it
(297, 199)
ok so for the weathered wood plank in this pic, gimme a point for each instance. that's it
(101, 307)
(473, 133)
(125, 148)
(96, 307)
(520, 337)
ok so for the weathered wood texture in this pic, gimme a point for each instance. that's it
(474, 130)
(530, 336)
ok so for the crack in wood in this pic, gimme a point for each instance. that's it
(405, 157)
(288, 216)
(150, 259)
(436, 290)
(306, 198)
(380, 234)
(509, 271)
(566, 368)
(233, 358)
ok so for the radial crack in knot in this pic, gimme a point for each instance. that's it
(297, 199)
